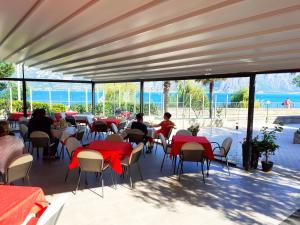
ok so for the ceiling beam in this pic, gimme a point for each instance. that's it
(182, 56)
(22, 20)
(137, 31)
(52, 28)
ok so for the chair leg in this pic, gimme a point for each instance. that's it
(67, 175)
(78, 182)
(181, 169)
(102, 184)
(162, 164)
(140, 171)
(203, 177)
(37, 149)
(85, 180)
(130, 178)
(112, 179)
(227, 165)
(207, 167)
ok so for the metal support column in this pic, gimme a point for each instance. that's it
(24, 92)
(142, 96)
(247, 152)
(93, 97)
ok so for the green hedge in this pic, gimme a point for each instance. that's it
(17, 106)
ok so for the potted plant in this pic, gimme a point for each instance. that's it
(264, 144)
(194, 129)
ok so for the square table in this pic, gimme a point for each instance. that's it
(178, 141)
(112, 152)
(16, 202)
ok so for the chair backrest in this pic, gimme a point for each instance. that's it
(18, 168)
(114, 128)
(90, 160)
(136, 136)
(79, 135)
(52, 213)
(101, 126)
(114, 138)
(226, 145)
(192, 152)
(71, 120)
(122, 125)
(136, 153)
(163, 141)
(169, 133)
(39, 139)
(23, 130)
(184, 133)
(72, 144)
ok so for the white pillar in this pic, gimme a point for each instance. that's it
(176, 106)
(215, 111)
(119, 98)
(19, 74)
(10, 99)
(86, 100)
(103, 102)
(69, 99)
(149, 101)
(50, 99)
(226, 106)
(31, 108)
(134, 103)
(203, 104)
(190, 106)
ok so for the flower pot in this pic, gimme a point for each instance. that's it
(266, 166)
(254, 158)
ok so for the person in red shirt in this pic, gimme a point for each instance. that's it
(165, 126)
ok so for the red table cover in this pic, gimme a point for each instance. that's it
(15, 116)
(16, 202)
(109, 121)
(71, 113)
(113, 152)
(178, 141)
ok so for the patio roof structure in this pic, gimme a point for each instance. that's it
(140, 40)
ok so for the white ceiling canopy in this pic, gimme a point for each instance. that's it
(111, 40)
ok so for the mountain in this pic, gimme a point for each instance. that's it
(265, 83)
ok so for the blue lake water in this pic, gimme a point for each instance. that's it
(156, 97)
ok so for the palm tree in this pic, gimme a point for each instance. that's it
(211, 83)
(167, 85)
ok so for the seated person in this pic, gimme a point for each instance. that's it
(10, 146)
(138, 124)
(40, 122)
(165, 125)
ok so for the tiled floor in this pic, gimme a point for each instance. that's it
(242, 198)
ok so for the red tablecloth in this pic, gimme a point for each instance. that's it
(17, 202)
(113, 152)
(71, 113)
(178, 141)
(109, 121)
(15, 116)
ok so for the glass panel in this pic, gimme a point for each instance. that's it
(117, 99)
(10, 98)
(59, 97)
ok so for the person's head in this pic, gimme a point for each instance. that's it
(167, 116)
(42, 112)
(139, 117)
(4, 128)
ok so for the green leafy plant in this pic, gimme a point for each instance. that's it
(265, 141)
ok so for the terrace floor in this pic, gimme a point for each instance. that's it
(242, 198)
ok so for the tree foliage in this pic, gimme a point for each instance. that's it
(296, 81)
(6, 70)
(187, 89)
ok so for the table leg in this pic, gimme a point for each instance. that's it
(207, 167)
(175, 164)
